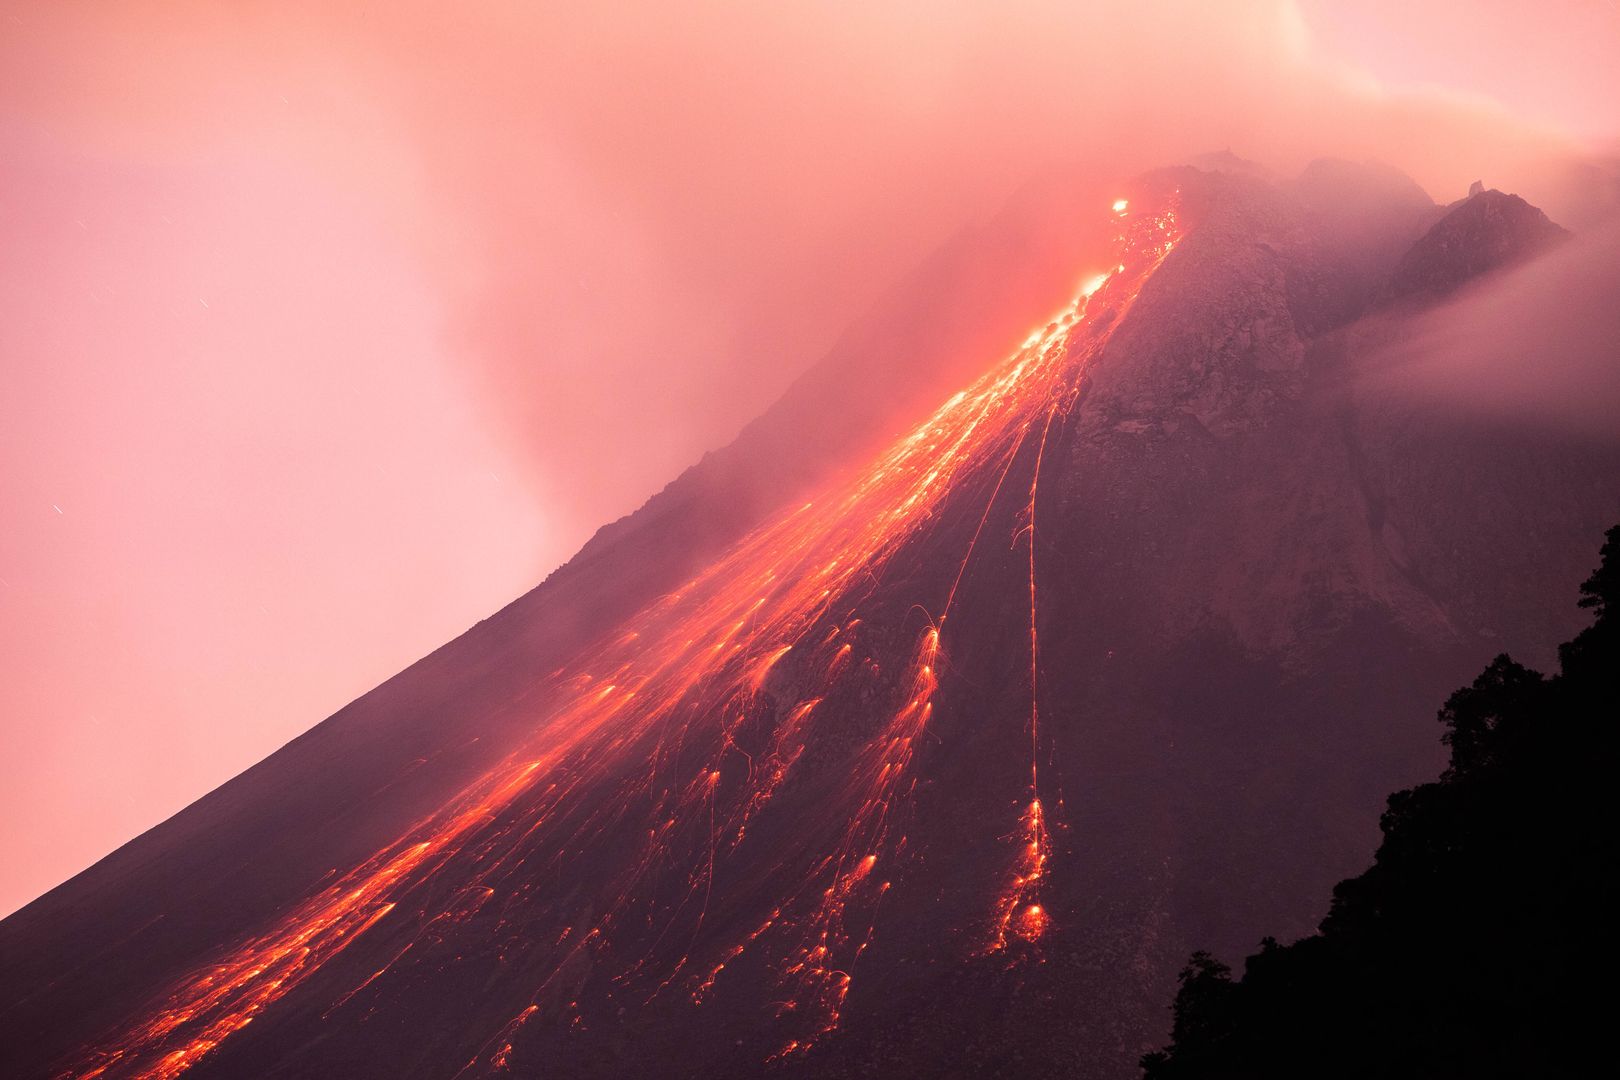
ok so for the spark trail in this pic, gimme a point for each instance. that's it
(669, 742)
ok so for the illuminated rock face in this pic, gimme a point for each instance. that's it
(914, 749)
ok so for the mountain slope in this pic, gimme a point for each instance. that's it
(1468, 948)
(941, 773)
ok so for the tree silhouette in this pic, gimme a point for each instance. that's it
(1481, 942)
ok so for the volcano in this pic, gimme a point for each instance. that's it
(878, 748)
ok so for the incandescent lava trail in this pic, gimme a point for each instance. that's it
(666, 745)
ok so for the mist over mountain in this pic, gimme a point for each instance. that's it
(930, 750)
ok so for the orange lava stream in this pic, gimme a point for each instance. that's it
(656, 715)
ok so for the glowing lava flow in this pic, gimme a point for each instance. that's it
(652, 765)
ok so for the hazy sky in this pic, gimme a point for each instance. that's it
(328, 328)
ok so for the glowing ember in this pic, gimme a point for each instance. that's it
(659, 715)
(1032, 922)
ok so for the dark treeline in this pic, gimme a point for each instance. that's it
(1482, 942)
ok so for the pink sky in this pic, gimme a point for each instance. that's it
(327, 329)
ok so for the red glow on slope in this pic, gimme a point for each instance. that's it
(657, 714)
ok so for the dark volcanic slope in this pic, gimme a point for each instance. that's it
(1467, 949)
(1249, 578)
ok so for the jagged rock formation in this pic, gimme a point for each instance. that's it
(1257, 573)
(1486, 231)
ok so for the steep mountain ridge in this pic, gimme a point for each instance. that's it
(1486, 231)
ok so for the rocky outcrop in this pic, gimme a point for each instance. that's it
(1487, 231)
